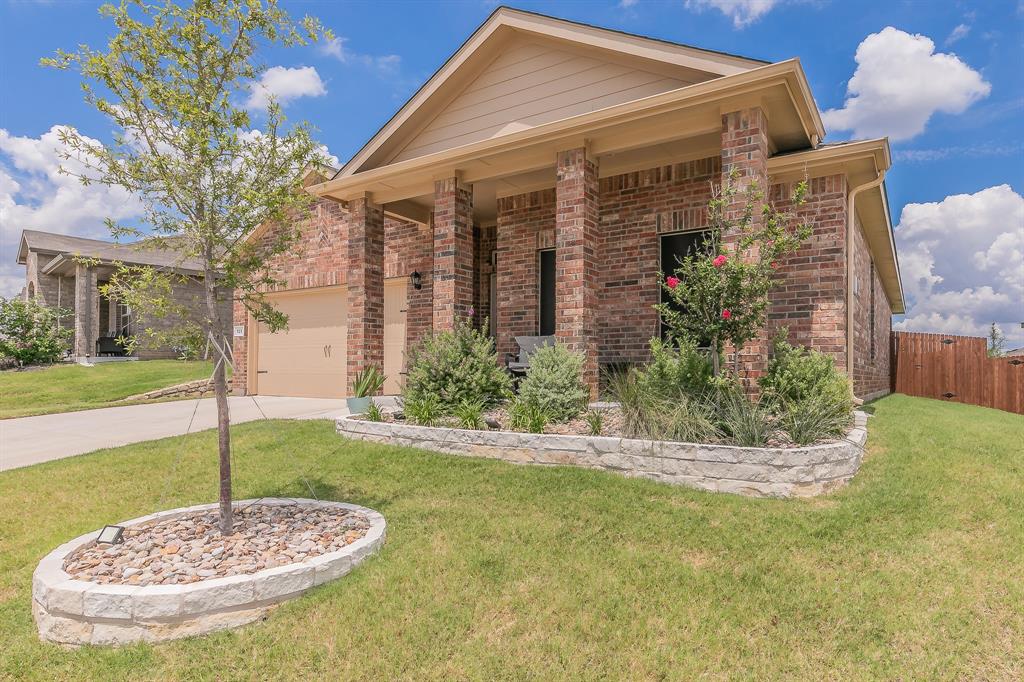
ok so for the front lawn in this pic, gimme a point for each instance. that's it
(66, 388)
(497, 571)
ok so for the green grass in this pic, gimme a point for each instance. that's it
(497, 571)
(66, 388)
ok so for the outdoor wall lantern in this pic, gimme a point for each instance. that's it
(110, 535)
(417, 280)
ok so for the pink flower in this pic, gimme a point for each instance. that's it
(672, 282)
(719, 261)
(726, 314)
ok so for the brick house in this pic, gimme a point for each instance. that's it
(541, 178)
(66, 272)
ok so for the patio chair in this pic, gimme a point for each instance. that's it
(528, 345)
(108, 345)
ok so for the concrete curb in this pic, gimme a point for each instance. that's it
(755, 472)
(75, 612)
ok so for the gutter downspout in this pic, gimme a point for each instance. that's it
(851, 226)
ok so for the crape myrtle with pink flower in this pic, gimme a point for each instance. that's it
(718, 294)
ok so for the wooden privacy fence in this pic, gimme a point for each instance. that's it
(956, 368)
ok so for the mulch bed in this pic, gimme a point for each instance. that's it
(190, 548)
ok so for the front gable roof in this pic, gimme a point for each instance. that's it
(520, 70)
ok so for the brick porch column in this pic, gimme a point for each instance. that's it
(576, 255)
(745, 150)
(453, 251)
(87, 311)
(365, 276)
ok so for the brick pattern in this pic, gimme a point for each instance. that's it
(636, 208)
(871, 374)
(745, 151)
(87, 311)
(810, 299)
(453, 251)
(485, 241)
(526, 222)
(577, 244)
(365, 278)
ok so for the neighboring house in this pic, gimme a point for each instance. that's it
(1015, 352)
(541, 179)
(66, 272)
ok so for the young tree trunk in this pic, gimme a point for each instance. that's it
(715, 360)
(220, 390)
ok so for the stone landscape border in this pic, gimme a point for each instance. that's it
(74, 612)
(756, 472)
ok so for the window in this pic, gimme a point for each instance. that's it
(547, 292)
(674, 247)
(871, 313)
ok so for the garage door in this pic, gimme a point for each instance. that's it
(308, 359)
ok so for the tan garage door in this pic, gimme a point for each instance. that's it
(394, 334)
(309, 359)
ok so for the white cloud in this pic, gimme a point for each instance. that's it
(284, 84)
(962, 261)
(34, 195)
(742, 12)
(386, 64)
(626, 4)
(976, 151)
(900, 82)
(958, 33)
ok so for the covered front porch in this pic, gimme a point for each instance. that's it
(98, 320)
(559, 234)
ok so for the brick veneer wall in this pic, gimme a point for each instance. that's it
(526, 222)
(810, 301)
(636, 208)
(871, 376)
(191, 296)
(365, 278)
(319, 259)
(453, 251)
(485, 241)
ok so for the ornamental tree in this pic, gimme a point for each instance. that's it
(173, 81)
(719, 293)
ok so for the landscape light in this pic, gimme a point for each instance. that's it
(110, 535)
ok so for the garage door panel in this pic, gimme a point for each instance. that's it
(395, 304)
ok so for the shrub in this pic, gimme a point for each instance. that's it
(665, 416)
(367, 382)
(424, 410)
(672, 370)
(743, 421)
(595, 422)
(813, 418)
(811, 397)
(29, 333)
(527, 416)
(470, 415)
(454, 366)
(374, 413)
(553, 383)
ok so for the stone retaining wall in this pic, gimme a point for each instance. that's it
(191, 388)
(756, 472)
(74, 612)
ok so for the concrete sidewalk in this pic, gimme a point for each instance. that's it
(30, 440)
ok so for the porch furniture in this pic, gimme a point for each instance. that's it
(108, 345)
(518, 364)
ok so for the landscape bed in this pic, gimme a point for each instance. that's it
(74, 604)
(752, 471)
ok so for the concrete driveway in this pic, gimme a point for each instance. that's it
(30, 440)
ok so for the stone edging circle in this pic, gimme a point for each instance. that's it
(74, 612)
(755, 472)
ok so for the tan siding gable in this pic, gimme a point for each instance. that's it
(532, 83)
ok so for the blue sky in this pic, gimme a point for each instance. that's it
(942, 78)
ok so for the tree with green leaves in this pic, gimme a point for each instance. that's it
(996, 341)
(172, 80)
(718, 294)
